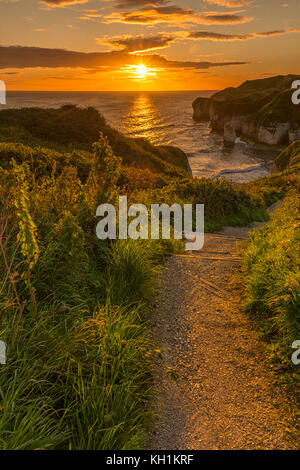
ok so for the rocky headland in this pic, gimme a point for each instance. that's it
(258, 110)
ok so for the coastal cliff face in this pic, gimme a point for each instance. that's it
(260, 110)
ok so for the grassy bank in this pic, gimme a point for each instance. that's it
(271, 271)
(77, 374)
(72, 312)
(272, 289)
(271, 267)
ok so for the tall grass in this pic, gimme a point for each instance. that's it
(73, 318)
(132, 270)
(272, 276)
(108, 411)
(80, 378)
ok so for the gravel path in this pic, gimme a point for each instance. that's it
(226, 396)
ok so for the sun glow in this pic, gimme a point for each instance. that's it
(139, 73)
(141, 70)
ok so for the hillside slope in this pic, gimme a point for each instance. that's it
(290, 158)
(70, 127)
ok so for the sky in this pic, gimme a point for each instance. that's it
(129, 45)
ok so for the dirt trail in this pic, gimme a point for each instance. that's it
(226, 396)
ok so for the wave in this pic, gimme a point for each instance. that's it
(263, 166)
(238, 141)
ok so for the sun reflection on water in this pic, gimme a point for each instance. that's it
(143, 118)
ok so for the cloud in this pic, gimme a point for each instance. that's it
(230, 3)
(223, 18)
(175, 15)
(155, 3)
(24, 57)
(160, 61)
(211, 36)
(62, 3)
(140, 3)
(20, 57)
(90, 16)
(139, 43)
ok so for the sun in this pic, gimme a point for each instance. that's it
(141, 70)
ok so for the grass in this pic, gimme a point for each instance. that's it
(73, 313)
(271, 267)
(272, 285)
(289, 158)
(77, 382)
(78, 376)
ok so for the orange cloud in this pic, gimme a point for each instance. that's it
(137, 44)
(175, 15)
(140, 3)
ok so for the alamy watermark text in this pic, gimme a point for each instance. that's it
(160, 217)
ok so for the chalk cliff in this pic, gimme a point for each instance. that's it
(260, 110)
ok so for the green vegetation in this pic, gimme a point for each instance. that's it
(271, 267)
(74, 308)
(225, 203)
(277, 186)
(267, 99)
(289, 158)
(72, 312)
(71, 127)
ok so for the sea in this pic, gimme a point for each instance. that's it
(163, 118)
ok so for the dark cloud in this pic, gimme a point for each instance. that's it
(62, 3)
(28, 57)
(211, 36)
(23, 57)
(160, 61)
(230, 3)
(208, 35)
(138, 43)
(224, 18)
